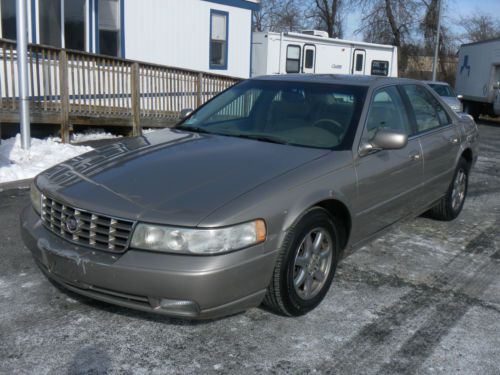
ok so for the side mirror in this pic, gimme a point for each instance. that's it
(185, 113)
(496, 86)
(384, 140)
(460, 97)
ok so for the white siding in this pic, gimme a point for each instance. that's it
(176, 33)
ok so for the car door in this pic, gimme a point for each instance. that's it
(439, 138)
(388, 181)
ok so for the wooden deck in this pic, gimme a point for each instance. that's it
(77, 88)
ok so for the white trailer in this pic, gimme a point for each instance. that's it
(478, 77)
(314, 52)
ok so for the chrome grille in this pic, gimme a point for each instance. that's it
(93, 230)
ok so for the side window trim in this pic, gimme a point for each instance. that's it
(409, 111)
(224, 66)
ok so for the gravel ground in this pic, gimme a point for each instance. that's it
(424, 299)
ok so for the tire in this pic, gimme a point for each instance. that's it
(450, 206)
(472, 109)
(306, 260)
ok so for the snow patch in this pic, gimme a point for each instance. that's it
(92, 135)
(18, 164)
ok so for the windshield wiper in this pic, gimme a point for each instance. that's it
(196, 129)
(262, 137)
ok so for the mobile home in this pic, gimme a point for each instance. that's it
(212, 36)
(313, 52)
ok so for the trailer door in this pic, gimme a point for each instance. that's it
(358, 65)
(309, 60)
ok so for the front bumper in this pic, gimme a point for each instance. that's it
(196, 287)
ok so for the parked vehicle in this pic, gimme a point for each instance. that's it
(313, 52)
(478, 77)
(253, 198)
(448, 95)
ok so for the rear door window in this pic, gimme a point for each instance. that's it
(429, 113)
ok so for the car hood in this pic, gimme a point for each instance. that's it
(169, 176)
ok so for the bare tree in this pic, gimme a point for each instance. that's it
(279, 15)
(480, 26)
(390, 22)
(328, 16)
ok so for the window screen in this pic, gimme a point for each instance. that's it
(293, 59)
(380, 68)
(74, 24)
(8, 10)
(218, 41)
(359, 62)
(109, 27)
(50, 22)
(309, 59)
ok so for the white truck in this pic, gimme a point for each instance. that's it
(478, 77)
(312, 51)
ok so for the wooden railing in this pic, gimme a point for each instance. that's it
(77, 88)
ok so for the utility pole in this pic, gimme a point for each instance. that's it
(436, 48)
(22, 72)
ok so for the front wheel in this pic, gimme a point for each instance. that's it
(306, 265)
(450, 206)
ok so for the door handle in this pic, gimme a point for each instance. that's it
(453, 140)
(415, 156)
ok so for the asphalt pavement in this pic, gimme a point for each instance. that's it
(422, 299)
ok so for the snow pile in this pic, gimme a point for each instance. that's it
(19, 164)
(92, 135)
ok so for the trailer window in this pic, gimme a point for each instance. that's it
(218, 39)
(359, 62)
(380, 68)
(309, 57)
(8, 11)
(293, 59)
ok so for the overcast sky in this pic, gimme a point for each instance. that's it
(453, 10)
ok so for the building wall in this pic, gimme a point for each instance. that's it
(168, 32)
(177, 33)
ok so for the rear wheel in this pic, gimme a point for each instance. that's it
(450, 206)
(306, 265)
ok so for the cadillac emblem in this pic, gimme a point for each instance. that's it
(72, 224)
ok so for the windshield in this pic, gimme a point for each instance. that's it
(442, 90)
(295, 113)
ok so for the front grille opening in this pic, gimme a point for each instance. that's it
(82, 227)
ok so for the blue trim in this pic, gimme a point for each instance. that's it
(251, 47)
(96, 12)
(33, 22)
(218, 67)
(122, 28)
(237, 3)
(91, 30)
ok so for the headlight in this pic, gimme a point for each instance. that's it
(198, 241)
(36, 198)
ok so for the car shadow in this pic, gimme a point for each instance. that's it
(135, 314)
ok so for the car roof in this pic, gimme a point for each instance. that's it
(340, 79)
